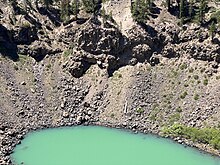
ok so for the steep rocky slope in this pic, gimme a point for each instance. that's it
(140, 77)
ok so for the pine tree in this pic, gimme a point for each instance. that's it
(190, 9)
(36, 3)
(25, 4)
(47, 3)
(212, 30)
(75, 8)
(202, 10)
(14, 4)
(178, 3)
(182, 9)
(104, 16)
(65, 7)
(140, 10)
(168, 5)
(150, 4)
(90, 6)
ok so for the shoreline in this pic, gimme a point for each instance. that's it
(186, 143)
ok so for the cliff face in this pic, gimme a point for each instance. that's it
(111, 72)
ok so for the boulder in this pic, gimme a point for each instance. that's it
(76, 69)
(142, 52)
(97, 40)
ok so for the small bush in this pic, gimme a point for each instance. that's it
(183, 66)
(174, 118)
(66, 53)
(140, 110)
(202, 135)
(196, 77)
(153, 115)
(191, 70)
(183, 95)
(25, 25)
(205, 81)
(117, 75)
(175, 73)
(15, 67)
(202, 70)
(112, 115)
(48, 66)
(196, 97)
(179, 109)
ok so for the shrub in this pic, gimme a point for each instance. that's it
(183, 66)
(183, 95)
(117, 75)
(202, 70)
(140, 11)
(205, 81)
(140, 110)
(196, 97)
(174, 118)
(90, 6)
(68, 52)
(196, 77)
(202, 135)
(154, 113)
(112, 115)
(26, 25)
(191, 70)
(179, 109)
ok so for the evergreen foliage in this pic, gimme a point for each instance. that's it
(140, 10)
(212, 30)
(14, 4)
(75, 8)
(202, 10)
(65, 7)
(168, 4)
(215, 17)
(47, 3)
(182, 8)
(191, 8)
(90, 6)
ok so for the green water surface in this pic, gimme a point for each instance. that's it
(104, 146)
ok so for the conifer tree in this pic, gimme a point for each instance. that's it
(202, 10)
(104, 16)
(150, 4)
(168, 4)
(212, 30)
(182, 9)
(140, 10)
(190, 9)
(75, 7)
(47, 3)
(90, 6)
(14, 4)
(65, 7)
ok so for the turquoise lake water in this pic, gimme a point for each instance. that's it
(93, 145)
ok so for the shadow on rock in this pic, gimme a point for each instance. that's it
(52, 14)
(7, 47)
